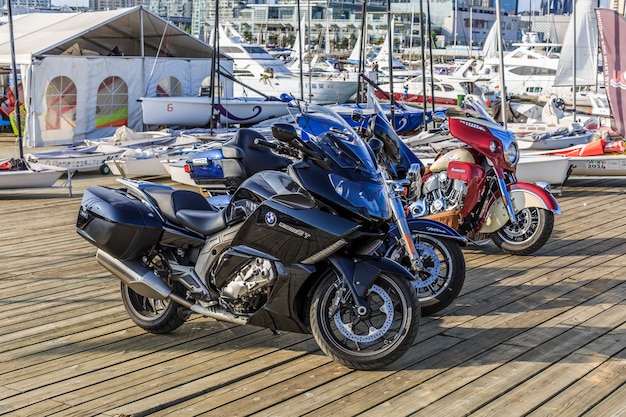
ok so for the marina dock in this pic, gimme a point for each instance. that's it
(528, 336)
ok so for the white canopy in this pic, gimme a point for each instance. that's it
(41, 34)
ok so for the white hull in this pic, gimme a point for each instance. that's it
(148, 167)
(196, 111)
(604, 165)
(329, 89)
(552, 143)
(78, 161)
(178, 174)
(39, 176)
(548, 169)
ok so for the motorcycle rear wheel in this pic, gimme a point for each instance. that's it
(153, 315)
(444, 270)
(365, 342)
(531, 231)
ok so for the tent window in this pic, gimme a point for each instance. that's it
(112, 103)
(61, 104)
(169, 87)
(205, 87)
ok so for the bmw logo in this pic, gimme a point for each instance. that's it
(270, 218)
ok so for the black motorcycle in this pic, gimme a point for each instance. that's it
(291, 251)
(429, 249)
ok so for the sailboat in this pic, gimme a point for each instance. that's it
(18, 173)
(607, 156)
(399, 70)
(578, 60)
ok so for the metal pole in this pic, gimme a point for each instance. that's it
(390, 60)
(300, 51)
(18, 116)
(430, 51)
(574, 55)
(213, 64)
(424, 100)
(501, 55)
(361, 67)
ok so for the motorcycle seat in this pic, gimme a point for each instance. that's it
(201, 221)
(188, 209)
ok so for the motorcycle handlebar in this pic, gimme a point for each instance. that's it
(284, 150)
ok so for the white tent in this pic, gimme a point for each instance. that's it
(82, 73)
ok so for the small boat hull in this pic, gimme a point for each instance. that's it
(148, 167)
(38, 176)
(554, 142)
(539, 168)
(597, 158)
(79, 159)
(179, 174)
(197, 111)
(601, 166)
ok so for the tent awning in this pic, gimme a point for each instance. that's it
(40, 34)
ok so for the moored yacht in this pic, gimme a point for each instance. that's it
(259, 72)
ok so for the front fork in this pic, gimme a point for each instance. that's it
(506, 199)
(395, 188)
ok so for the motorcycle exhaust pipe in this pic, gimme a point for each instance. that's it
(134, 274)
(144, 282)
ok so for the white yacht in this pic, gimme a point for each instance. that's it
(260, 73)
(535, 70)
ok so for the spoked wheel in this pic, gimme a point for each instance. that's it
(531, 231)
(370, 339)
(153, 315)
(443, 276)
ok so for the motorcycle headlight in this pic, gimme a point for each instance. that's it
(365, 197)
(512, 153)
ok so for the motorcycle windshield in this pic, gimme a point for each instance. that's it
(398, 154)
(357, 180)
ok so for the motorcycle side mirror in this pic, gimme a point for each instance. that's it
(376, 145)
(284, 132)
(357, 115)
(439, 117)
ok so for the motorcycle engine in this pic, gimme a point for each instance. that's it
(246, 292)
(439, 194)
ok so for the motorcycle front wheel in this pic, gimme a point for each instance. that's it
(372, 339)
(443, 275)
(526, 236)
(151, 314)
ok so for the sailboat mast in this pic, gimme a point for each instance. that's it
(300, 52)
(574, 57)
(423, 49)
(501, 56)
(361, 63)
(214, 67)
(18, 116)
(390, 28)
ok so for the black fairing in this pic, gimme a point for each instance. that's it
(284, 221)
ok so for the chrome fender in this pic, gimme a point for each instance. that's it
(523, 195)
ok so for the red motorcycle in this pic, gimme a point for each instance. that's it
(473, 188)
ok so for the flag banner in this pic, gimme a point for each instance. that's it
(612, 30)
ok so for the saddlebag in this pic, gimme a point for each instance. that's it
(117, 224)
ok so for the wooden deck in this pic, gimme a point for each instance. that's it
(539, 335)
